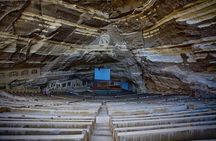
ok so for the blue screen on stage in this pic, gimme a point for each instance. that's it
(101, 74)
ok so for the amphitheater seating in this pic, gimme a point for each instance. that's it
(150, 122)
(47, 118)
(40, 117)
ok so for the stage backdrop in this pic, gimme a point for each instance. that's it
(102, 74)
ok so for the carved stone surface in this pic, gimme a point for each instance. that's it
(161, 46)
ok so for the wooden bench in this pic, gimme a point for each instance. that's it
(38, 117)
(162, 121)
(136, 124)
(47, 116)
(41, 131)
(81, 137)
(47, 111)
(29, 124)
(171, 134)
(164, 114)
(166, 126)
(44, 131)
(49, 120)
(165, 117)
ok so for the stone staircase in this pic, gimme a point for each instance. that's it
(102, 130)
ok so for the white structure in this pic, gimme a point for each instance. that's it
(104, 40)
(65, 84)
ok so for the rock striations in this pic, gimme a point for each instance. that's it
(162, 46)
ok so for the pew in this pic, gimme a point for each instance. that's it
(170, 134)
(80, 137)
(163, 121)
(166, 126)
(136, 124)
(38, 117)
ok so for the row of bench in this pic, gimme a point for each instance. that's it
(145, 124)
(47, 119)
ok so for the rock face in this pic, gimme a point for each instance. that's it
(161, 46)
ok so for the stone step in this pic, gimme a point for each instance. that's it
(101, 138)
(102, 120)
(102, 124)
(102, 132)
(102, 128)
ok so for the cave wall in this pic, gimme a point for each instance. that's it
(161, 46)
(180, 49)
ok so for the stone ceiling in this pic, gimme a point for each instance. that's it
(161, 45)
